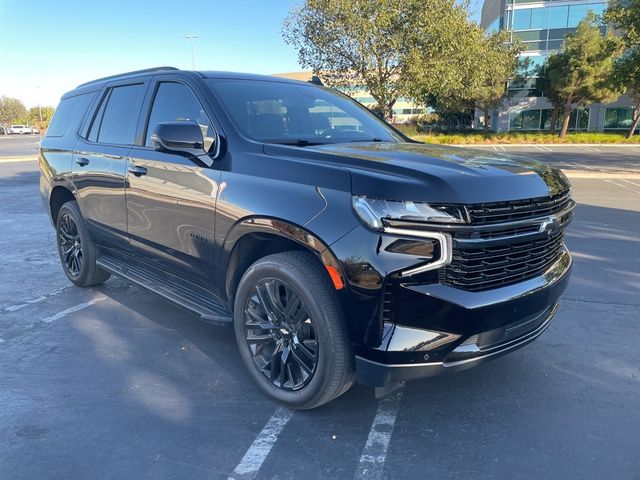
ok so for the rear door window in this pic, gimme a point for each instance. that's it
(117, 116)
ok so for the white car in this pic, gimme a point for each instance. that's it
(21, 130)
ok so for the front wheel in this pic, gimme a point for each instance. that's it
(291, 332)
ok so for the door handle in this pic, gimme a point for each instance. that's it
(137, 170)
(83, 162)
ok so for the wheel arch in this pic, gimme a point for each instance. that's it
(256, 237)
(60, 194)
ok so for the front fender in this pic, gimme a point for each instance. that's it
(283, 229)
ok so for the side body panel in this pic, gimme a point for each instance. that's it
(100, 191)
(171, 212)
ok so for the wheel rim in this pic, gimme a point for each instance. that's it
(70, 244)
(280, 334)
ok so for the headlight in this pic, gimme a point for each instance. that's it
(373, 210)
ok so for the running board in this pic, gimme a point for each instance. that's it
(190, 297)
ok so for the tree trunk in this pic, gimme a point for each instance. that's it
(554, 120)
(565, 122)
(485, 111)
(636, 121)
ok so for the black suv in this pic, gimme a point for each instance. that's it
(337, 248)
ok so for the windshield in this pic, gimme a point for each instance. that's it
(297, 114)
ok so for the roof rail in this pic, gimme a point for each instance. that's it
(146, 70)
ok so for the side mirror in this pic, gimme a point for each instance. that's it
(179, 137)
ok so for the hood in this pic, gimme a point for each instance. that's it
(434, 173)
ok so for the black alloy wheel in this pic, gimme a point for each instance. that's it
(281, 334)
(291, 332)
(70, 244)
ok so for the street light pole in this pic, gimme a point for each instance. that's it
(39, 111)
(191, 38)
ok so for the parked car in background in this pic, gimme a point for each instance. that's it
(22, 130)
(337, 248)
(3, 131)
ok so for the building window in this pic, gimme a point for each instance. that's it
(524, 120)
(556, 17)
(540, 119)
(522, 19)
(618, 118)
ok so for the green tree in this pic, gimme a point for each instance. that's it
(497, 62)
(392, 48)
(353, 42)
(444, 53)
(582, 72)
(40, 117)
(550, 90)
(12, 110)
(624, 15)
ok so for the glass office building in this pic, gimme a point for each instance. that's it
(541, 26)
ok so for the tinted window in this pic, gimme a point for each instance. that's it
(292, 113)
(70, 110)
(176, 102)
(97, 119)
(118, 115)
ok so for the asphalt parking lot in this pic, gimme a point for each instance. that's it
(113, 382)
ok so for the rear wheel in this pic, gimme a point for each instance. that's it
(291, 332)
(76, 250)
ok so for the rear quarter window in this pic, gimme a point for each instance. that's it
(68, 112)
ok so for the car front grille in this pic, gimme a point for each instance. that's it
(505, 243)
(498, 212)
(492, 267)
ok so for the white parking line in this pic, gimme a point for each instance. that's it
(374, 454)
(588, 149)
(622, 185)
(543, 149)
(261, 446)
(75, 308)
(630, 182)
(19, 306)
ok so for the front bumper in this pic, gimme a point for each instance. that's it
(464, 328)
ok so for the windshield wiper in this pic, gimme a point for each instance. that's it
(299, 142)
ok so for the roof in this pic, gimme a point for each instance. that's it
(99, 82)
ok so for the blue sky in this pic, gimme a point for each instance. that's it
(49, 46)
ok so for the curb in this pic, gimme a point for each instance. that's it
(600, 174)
(29, 158)
(474, 145)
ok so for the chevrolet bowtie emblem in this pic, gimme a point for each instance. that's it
(548, 225)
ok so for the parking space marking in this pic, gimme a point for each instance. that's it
(630, 182)
(259, 450)
(19, 306)
(543, 149)
(622, 185)
(73, 309)
(588, 149)
(374, 454)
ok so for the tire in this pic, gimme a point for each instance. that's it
(76, 250)
(278, 358)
